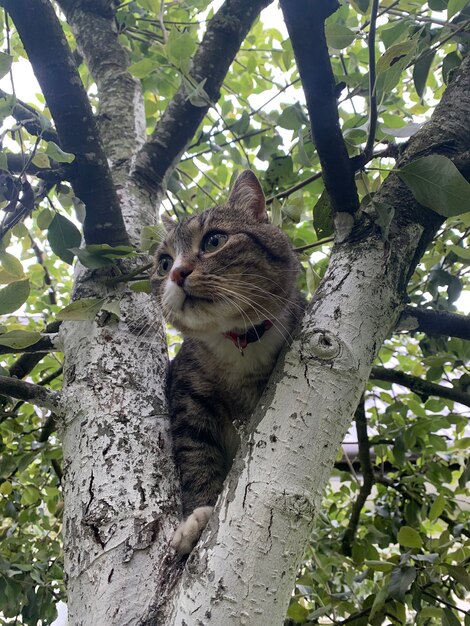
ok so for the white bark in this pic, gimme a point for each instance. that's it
(266, 513)
(119, 479)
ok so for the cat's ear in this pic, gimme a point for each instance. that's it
(247, 195)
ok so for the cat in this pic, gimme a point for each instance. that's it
(226, 278)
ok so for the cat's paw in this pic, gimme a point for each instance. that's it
(188, 532)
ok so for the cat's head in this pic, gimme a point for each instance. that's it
(227, 268)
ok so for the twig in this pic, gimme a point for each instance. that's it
(367, 478)
(30, 393)
(315, 244)
(126, 277)
(434, 322)
(296, 187)
(419, 386)
(372, 94)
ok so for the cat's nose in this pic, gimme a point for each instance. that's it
(180, 273)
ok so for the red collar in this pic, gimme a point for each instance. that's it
(241, 340)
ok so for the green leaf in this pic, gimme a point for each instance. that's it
(93, 261)
(393, 55)
(385, 213)
(30, 495)
(142, 68)
(297, 612)
(197, 94)
(7, 103)
(292, 117)
(11, 265)
(338, 36)
(404, 131)
(111, 252)
(401, 580)
(293, 208)
(112, 306)
(323, 222)
(437, 507)
(390, 66)
(455, 6)
(5, 63)
(458, 573)
(409, 537)
(361, 5)
(141, 286)
(449, 63)
(44, 219)
(180, 46)
(241, 125)
(19, 338)
(280, 171)
(41, 160)
(380, 566)
(6, 488)
(449, 618)
(151, 237)
(57, 154)
(84, 309)
(437, 184)
(379, 602)
(13, 296)
(63, 235)
(421, 71)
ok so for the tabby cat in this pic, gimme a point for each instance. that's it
(226, 278)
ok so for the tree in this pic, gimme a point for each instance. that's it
(148, 106)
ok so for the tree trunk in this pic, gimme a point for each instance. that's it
(121, 488)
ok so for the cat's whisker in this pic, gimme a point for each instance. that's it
(247, 285)
(263, 312)
(239, 309)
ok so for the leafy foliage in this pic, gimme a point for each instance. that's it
(408, 558)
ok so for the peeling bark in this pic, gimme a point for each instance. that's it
(120, 489)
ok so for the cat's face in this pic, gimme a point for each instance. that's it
(227, 268)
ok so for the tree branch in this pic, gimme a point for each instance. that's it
(68, 102)
(367, 478)
(35, 394)
(419, 386)
(305, 23)
(121, 105)
(28, 117)
(18, 164)
(221, 41)
(434, 322)
(372, 93)
(44, 345)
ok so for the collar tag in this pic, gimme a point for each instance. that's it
(241, 340)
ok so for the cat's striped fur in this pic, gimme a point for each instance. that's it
(219, 275)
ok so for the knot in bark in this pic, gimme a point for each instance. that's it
(323, 345)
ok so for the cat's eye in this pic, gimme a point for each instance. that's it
(213, 242)
(164, 264)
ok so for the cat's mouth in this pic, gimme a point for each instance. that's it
(191, 300)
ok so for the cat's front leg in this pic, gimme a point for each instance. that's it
(203, 459)
(188, 532)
